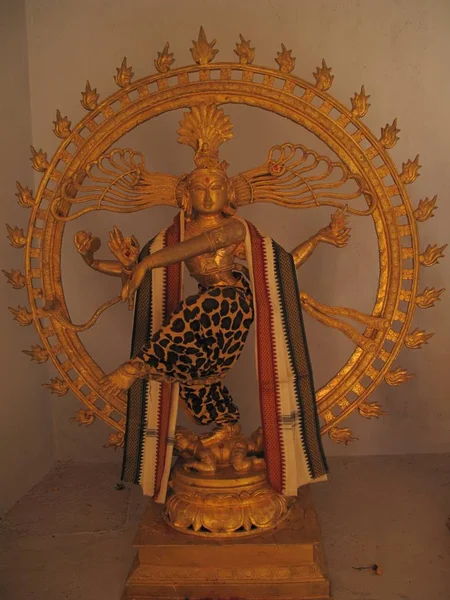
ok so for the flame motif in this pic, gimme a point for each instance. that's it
(16, 236)
(124, 74)
(84, 417)
(15, 278)
(244, 51)
(115, 440)
(432, 255)
(57, 386)
(416, 338)
(25, 196)
(62, 126)
(397, 377)
(425, 209)
(39, 159)
(89, 98)
(285, 60)
(323, 77)
(341, 435)
(202, 51)
(360, 104)
(371, 409)
(21, 315)
(164, 60)
(389, 136)
(410, 170)
(37, 353)
(428, 297)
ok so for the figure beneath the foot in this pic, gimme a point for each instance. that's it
(226, 446)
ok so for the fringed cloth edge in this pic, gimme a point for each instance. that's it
(152, 405)
(293, 447)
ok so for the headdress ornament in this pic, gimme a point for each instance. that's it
(205, 127)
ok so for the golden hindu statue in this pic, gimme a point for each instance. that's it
(224, 483)
(185, 348)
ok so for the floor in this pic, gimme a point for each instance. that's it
(70, 537)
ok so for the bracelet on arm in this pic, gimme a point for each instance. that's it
(128, 271)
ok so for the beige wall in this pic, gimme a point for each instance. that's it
(26, 415)
(397, 49)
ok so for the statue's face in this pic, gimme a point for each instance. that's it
(208, 191)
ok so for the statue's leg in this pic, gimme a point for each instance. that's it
(202, 338)
(208, 404)
(239, 459)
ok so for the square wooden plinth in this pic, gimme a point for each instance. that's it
(286, 563)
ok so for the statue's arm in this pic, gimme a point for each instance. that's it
(232, 232)
(125, 249)
(304, 250)
(336, 233)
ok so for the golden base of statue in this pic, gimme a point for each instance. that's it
(225, 504)
(285, 562)
(219, 485)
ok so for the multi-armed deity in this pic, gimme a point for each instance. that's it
(223, 483)
(183, 348)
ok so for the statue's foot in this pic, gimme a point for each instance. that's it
(242, 465)
(118, 381)
(220, 434)
(200, 466)
(258, 463)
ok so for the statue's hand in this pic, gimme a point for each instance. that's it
(131, 286)
(86, 245)
(125, 249)
(336, 233)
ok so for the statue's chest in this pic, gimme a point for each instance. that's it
(212, 262)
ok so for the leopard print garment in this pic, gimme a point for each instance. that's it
(203, 338)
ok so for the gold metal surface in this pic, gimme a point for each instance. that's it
(84, 417)
(164, 60)
(25, 196)
(120, 183)
(124, 74)
(16, 237)
(219, 486)
(323, 77)
(360, 104)
(285, 60)
(224, 505)
(15, 278)
(286, 562)
(62, 126)
(37, 353)
(89, 98)
(245, 52)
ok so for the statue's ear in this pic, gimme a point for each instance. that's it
(231, 207)
(183, 197)
(231, 193)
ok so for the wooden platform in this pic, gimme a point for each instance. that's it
(285, 564)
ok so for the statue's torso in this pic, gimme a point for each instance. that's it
(214, 268)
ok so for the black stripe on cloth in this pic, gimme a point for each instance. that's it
(294, 331)
(135, 425)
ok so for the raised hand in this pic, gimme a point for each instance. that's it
(86, 245)
(125, 249)
(336, 233)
